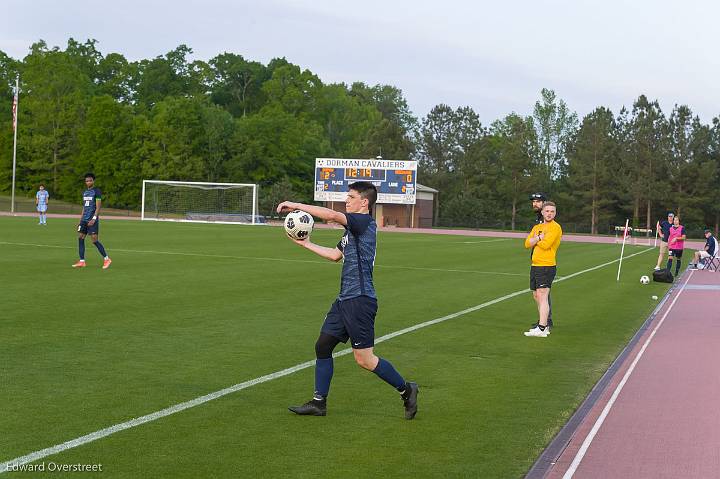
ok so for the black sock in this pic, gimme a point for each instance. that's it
(542, 328)
(677, 267)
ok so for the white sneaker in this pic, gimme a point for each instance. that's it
(536, 332)
(657, 268)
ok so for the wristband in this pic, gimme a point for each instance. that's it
(94, 217)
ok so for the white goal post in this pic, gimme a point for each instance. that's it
(636, 236)
(199, 202)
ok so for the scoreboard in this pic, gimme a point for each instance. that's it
(394, 180)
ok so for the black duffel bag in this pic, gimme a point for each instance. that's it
(663, 276)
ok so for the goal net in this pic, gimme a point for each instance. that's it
(636, 236)
(200, 202)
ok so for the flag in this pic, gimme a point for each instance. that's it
(14, 110)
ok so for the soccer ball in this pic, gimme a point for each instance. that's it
(644, 280)
(299, 225)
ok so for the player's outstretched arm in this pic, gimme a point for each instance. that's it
(333, 254)
(323, 213)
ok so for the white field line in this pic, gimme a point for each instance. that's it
(261, 258)
(606, 410)
(94, 436)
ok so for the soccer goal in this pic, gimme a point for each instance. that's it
(198, 202)
(636, 236)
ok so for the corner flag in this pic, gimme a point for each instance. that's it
(14, 110)
(622, 251)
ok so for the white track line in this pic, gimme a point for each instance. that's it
(94, 436)
(262, 258)
(606, 410)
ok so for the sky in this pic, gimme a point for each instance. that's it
(492, 56)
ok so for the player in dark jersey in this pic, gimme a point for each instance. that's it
(537, 200)
(90, 222)
(352, 315)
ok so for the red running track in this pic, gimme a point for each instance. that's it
(659, 416)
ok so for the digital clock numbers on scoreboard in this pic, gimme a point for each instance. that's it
(395, 180)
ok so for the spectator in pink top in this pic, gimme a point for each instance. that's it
(676, 244)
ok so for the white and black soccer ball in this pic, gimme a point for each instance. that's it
(644, 280)
(299, 225)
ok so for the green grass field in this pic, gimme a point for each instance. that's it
(188, 309)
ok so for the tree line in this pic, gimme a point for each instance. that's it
(231, 119)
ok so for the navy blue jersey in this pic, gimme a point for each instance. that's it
(710, 245)
(358, 249)
(665, 228)
(89, 197)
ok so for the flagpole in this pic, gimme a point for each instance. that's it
(15, 115)
(657, 233)
(622, 251)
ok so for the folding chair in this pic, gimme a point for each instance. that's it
(713, 262)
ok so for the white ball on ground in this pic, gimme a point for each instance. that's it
(654, 297)
(644, 280)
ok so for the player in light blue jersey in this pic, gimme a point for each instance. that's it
(90, 222)
(352, 315)
(41, 203)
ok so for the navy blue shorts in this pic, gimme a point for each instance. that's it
(676, 253)
(352, 318)
(86, 229)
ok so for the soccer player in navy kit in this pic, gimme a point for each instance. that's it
(90, 222)
(352, 315)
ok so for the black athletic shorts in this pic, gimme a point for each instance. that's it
(86, 229)
(676, 253)
(352, 318)
(542, 276)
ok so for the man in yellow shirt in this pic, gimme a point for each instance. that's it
(544, 240)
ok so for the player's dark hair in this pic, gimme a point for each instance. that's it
(367, 190)
(90, 175)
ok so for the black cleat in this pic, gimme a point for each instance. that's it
(409, 398)
(314, 407)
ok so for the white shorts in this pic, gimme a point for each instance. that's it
(704, 254)
(42, 208)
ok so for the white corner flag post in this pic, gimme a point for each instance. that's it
(15, 115)
(657, 233)
(622, 251)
